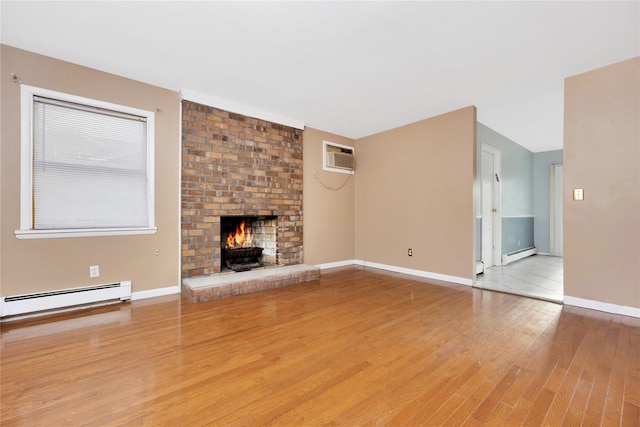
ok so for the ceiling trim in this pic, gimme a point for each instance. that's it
(191, 95)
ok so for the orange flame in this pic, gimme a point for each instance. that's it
(240, 237)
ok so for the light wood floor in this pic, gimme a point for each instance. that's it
(357, 347)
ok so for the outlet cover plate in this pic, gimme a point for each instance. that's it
(94, 271)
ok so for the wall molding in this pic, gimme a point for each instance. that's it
(336, 264)
(151, 293)
(403, 270)
(191, 95)
(602, 306)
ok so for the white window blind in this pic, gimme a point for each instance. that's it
(90, 167)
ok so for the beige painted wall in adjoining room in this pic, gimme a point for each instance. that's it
(602, 157)
(329, 228)
(28, 266)
(415, 190)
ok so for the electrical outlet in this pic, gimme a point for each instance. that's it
(94, 271)
(410, 252)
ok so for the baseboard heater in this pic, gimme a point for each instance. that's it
(64, 298)
(519, 254)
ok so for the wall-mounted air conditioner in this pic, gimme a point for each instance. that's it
(337, 157)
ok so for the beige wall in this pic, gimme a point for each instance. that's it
(602, 156)
(414, 189)
(47, 264)
(329, 232)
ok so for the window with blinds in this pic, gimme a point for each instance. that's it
(91, 166)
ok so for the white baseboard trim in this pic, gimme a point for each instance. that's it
(419, 273)
(336, 264)
(409, 271)
(602, 306)
(156, 292)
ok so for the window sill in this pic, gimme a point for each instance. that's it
(86, 232)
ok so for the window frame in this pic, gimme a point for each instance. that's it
(26, 231)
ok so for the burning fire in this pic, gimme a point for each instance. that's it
(240, 238)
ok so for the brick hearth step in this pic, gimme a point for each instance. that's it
(218, 286)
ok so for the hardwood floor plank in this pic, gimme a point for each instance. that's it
(359, 346)
(500, 355)
(492, 400)
(499, 416)
(630, 414)
(467, 407)
(631, 408)
(424, 407)
(539, 408)
(581, 344)
(519, 413)
(602, 377)
(539, 353)
(428, 409)
(579, 404)
(614, 400)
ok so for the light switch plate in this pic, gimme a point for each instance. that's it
(578, 194)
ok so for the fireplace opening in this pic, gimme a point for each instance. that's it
(247, 242)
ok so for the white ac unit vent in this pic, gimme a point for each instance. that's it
(337, 157)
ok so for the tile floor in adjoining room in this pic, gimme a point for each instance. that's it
(537, 276)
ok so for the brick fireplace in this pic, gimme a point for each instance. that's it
(237, 166)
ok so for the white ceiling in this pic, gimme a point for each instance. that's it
(351, 68)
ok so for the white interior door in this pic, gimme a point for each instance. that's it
(491, 226)
(556, 234)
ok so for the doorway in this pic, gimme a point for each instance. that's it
(539, 276)
(491, 164)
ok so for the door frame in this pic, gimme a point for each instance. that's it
(553, 217)
(497, 202)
